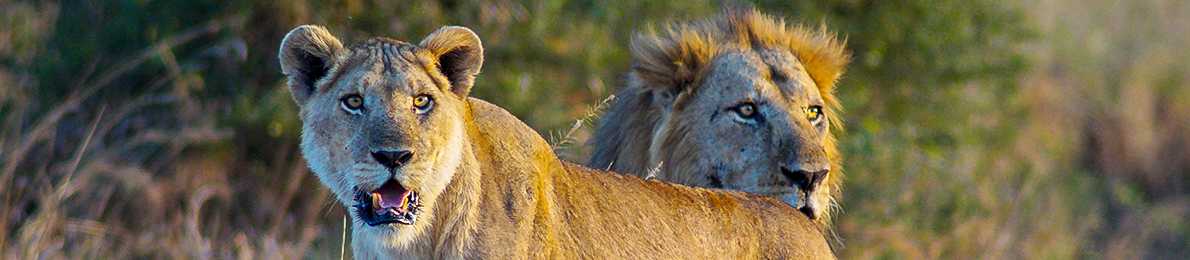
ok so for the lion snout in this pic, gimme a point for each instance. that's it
(805, 179)
(392, 159)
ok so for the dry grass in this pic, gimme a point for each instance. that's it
(1087, 160)
(147, 190)
(1113, 92)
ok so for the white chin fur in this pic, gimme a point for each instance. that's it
(393, 240)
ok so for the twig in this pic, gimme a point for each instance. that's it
(578, 123)
(343, 242)
(652, 174)
(78, 156)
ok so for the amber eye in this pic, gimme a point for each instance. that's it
(422, 102)
(814, 112)
(353, 102)
(747, 110)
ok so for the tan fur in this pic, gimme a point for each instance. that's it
(669, 119)
(492, 187)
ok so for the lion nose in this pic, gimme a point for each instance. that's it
(392, 159)
(806, 179)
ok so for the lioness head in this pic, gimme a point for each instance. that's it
(383, 119)
(739, 102)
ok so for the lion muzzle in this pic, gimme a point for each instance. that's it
(807, 182)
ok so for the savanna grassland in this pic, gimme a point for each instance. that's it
(971, 129)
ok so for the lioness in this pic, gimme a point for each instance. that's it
(737, 102)
(430, 173)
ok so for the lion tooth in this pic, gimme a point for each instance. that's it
(376, 200)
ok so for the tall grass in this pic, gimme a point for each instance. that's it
(1120, 83)
(136, 182)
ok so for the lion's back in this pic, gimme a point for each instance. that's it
(645, 217)
(602, 214)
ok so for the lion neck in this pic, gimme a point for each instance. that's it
(456, 220)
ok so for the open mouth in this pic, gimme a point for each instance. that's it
(391, 203)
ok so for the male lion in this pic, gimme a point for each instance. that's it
(431, 173)
(738, 102)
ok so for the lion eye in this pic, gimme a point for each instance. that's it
(814, 112)
(353, 102)
(747, 110)
(422, 103)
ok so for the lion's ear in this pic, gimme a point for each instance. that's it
(460, 55)
(306, 55)
(671, 63)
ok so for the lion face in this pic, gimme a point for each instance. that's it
(737, 102)
(383, 119)
(754, 123)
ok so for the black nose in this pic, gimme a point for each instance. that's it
(392, 159)
(806, 180)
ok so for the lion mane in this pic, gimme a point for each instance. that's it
(677, 60)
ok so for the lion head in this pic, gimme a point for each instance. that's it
(738, 102)
(383, 119)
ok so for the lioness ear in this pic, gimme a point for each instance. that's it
(306, 55)
(460, 55)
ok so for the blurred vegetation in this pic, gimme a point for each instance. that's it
(973, 129)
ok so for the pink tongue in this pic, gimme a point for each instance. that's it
(392, 195)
